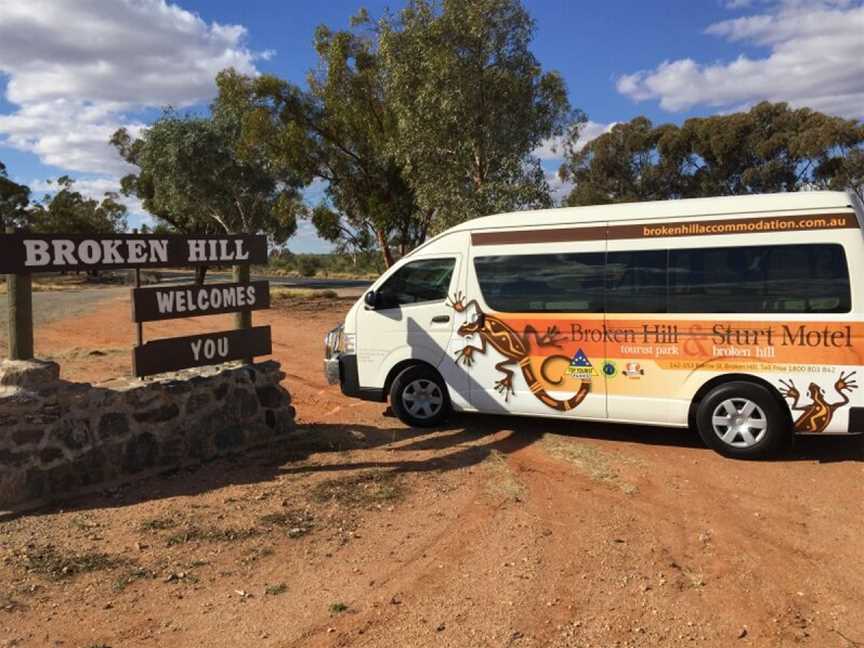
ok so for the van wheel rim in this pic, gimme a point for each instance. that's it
(739, 422)
(423, 398)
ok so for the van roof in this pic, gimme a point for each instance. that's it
(666, 209)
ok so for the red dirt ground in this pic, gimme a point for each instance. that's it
(488, 532)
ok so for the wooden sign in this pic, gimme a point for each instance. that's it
(24, 253)
(174, 302)
(174, 354)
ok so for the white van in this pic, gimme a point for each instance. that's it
(739, 317)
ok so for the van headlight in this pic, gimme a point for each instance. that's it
(332, 342)
(349, 343)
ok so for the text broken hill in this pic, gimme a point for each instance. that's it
(88, 252)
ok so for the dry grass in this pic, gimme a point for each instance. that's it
(50, 562)
(67, 283)
(277, 293)
(210, 534)
(158, 524)
(298, 523)
(77, 353)
(293, 274)
(129, 576)
(276, 590)
(360, 490)
(596, 464)
(501, 480)
(10, 604)
(45, 287)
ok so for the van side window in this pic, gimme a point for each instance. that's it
(804, 278)
(536, 283)
(636, 281)
(417, 282)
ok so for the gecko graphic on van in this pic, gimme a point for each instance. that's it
(706, 313)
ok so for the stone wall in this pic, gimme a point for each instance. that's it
(59, 438)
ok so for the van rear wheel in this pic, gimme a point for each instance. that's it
(742, 420)
(419, 397)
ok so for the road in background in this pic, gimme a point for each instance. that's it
(344, 287)
(55, 305)
(51, 306)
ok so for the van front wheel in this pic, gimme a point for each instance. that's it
(419, 397)
(742, 420)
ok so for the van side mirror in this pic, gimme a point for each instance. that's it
(371, 299)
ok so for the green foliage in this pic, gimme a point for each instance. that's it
(472, 104)
(14, 199)
(307, 265)
(368, 264)
(413, 123)
(770, 148)
(193, 177)
(69, 212)
(338, 132)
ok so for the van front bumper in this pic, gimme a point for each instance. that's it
(341, 368)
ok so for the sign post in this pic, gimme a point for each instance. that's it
(19, 293)
(243, 318)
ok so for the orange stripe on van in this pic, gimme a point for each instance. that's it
(771, 342)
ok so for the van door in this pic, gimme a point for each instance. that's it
(531, 324)
(411, 319)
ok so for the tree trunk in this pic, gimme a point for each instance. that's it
(200, 275)
(385, 248)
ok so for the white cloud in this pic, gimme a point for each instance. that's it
(553, 149)
(559, 188)
(90, 187)
(816, 50)
(67, 134)
(77, 68)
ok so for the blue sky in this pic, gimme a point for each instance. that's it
(64, 88)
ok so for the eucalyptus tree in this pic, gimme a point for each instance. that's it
(191, 175)
(769, 148)
(14, 200)
(339, 132)
(68, 211)
(472, 105)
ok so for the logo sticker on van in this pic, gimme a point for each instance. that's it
(610, 369)
(818, 413)
(580, 366)
(634, 370)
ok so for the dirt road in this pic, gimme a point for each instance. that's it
(52, 306)
(488, 532)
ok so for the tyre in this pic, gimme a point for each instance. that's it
(419, 397)
(743, 420)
